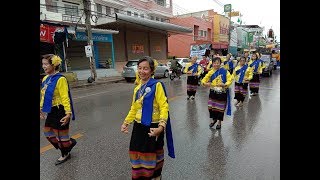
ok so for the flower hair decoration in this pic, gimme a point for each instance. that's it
(56, 60)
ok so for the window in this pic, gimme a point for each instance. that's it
(135, 14)
(205, 33)
(151, 17)
(142, 15)
(116, 10)
(160, 2)
(71, 10)
(157, 19)
(51, 6)
(200, 33)
(99, 10)
(108, 10)
(129, 13)
(162, 19)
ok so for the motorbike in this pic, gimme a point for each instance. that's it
(173, 74)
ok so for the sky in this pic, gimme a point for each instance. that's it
(265, 13)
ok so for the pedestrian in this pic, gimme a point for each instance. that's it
(228, 63)
(219, 80)
(56, 107)
(193, 71)
(149, 114)
(242, 75)
(257, 65)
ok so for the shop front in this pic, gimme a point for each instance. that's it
(103, 49)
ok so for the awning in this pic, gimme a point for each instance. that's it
(71, 30)
(154, 24)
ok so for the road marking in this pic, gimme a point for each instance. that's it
(91, 95)
(48, 147)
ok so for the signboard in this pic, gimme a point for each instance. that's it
(199, 49)
(250, 37)
(234, 13)
(88, 50)
(137, 49)
(47, 32)
(227, 8)
(81, 36)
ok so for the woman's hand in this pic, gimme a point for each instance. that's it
(207, 84)
(42, 115)
(124, 128)
(156, 131)
(65, 119)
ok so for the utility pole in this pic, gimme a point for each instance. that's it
(229, 31)
(87, 11)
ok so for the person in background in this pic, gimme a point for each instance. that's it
(242, 75)
(193, 71)
(218, 80)
(257, 65)
(56, 107)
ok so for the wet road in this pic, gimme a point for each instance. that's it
(247, 146)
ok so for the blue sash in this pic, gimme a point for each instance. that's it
(48, 95)
(147, 111)
(223, 72)
(242, 71)
(230, 64)
(194, 67)
(255, 64)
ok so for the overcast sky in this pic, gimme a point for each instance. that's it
(265, 13)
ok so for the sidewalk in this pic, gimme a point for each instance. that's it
(102, 80)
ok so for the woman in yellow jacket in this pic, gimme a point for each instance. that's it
(56, 107)
(242, 75)
(219, 80)
(193, 71)
(257, 65)
(149, 113)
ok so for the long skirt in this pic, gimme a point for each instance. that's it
(146, 153)
(192, 85)
(240, 90)
(217, 104)
(254, 83)
(55, 133)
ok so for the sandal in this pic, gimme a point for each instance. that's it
(212, 124)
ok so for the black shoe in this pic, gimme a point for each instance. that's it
(192, 97)
(218, 126)
(188, 97)
(62, 161)
(212, 124)
(73, 143)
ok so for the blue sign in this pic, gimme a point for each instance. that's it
(81, 36)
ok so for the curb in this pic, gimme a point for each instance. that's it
(84, 83)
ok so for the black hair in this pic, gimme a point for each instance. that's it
(216, 59)
(242, 57)
(150, 61)
(49, 58)
(174, 57)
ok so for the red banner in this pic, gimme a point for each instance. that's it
(47, 32)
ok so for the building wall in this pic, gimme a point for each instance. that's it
(119, 48)
(137, 39)
(179, 45)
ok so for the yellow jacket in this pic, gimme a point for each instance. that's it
(187, 67)
(60, 94)
(217, 81)
(260, 68)
(247, 76)
(160, 107)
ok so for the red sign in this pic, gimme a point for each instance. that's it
(47, 32)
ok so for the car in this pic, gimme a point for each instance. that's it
(130, 69)
(269, 62)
